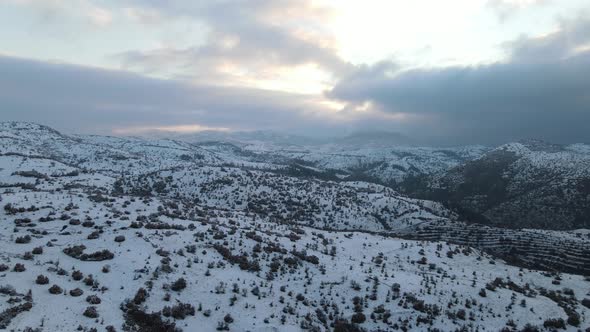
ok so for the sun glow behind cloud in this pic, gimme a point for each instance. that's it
(419, 33)
(306, 79)
(185, 129)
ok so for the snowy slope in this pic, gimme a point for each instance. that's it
(531, 184)
(205, 237)
(389, 164)
(266, 276)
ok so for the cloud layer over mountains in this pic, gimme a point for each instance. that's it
(225, 82)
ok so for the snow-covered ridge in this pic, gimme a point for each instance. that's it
(527, 184)
(385, 164)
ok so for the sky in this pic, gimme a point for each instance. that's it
(442, 72)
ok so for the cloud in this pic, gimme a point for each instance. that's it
(99, 16)
(247, 40)
(56, 11)
(506, 9)
(222, 76)
(541, 91)
(144, 16)
(92, 100)
(572, 38)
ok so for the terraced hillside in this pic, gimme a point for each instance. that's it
(539, 249)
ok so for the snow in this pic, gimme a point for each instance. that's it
(349, 227)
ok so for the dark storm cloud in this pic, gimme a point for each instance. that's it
(542, 91)
(84, 99)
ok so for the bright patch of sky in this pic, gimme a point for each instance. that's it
(414, 33)
(440, 33)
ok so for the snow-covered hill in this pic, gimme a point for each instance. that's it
(312, 202)
(389, 165)
(111, 155)
(73, 260)
(128, 234)
(531, 184)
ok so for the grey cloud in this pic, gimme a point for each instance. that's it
(555, 46)
(546, 98)
(83, 99)
(264, 38)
